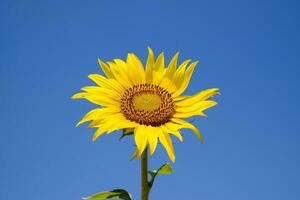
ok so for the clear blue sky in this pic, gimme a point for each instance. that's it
(249, 49)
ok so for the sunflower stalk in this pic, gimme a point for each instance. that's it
(145, 188)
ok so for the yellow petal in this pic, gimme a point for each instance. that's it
(178, 135)
(174, 81)
(180, 98)
(135, 69)
(149, 66)
(102, 91)
(121, 64)
(102, 129)
(179, 74)
(114, 121)
(173, 64)
(97, 99)
(122, 125)
(170, 71)
(140, 137)
(124, 68)
(201, 96)
(186, 79)
(190, 114)
(101, 119)
(160, 62)
(139, 65)
(98, 133)
(152, 138)
(95, 123)
(107, 83)
(166, 128)
(135, 154)
(188, 125)
(79, 95)
(159, 69)
(196, 109)
(105, 69)
(96, 113)
(166, 141)
(111, 124)
(120, 75)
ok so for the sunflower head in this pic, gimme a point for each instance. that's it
(147, 100)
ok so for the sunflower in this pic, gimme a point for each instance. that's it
(147, 101)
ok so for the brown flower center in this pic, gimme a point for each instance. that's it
(147, 104)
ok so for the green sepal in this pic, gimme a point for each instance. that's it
(164, 169)
(116, 193)
(126, 132)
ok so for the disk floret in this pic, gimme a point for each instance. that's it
(147, 104)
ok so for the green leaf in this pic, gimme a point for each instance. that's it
(126, 132)
(164, 169)
(116, 193)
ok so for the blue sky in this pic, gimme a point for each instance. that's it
(249, 49)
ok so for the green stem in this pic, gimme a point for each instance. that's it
(144, 175)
